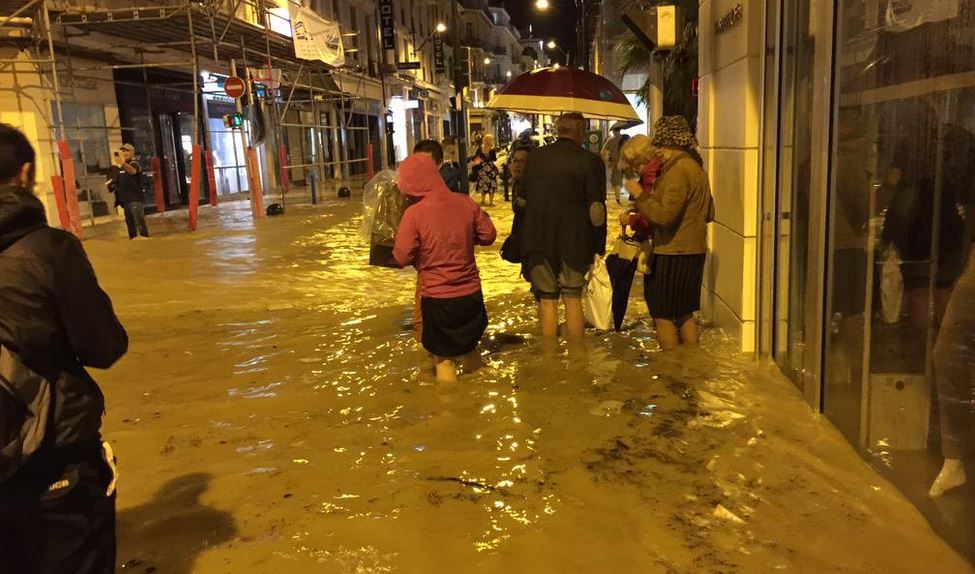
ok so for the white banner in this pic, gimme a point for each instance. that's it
(315, 38)
(903, 15)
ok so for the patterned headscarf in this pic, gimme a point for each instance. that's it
(673, 132)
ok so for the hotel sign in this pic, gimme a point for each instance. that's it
(387, 24)
(439, 62)
(729, 21)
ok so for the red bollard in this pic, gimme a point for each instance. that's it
(285, 177)
(58, 185)
(157, 185)
(211, 178)
(70, 188)
(257, 188)
(195, 165)
(371, 169)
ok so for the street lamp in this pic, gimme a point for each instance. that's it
(509, 73)
(440, 29)
(542, 4)
(552, 46)
(487, 61)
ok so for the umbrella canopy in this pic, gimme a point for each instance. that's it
(557, 90)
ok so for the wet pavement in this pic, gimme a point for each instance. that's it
(272, 416)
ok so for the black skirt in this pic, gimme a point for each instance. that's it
(673, 288)
(453, 327)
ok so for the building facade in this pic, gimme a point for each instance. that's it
(125, 80)
(838, 135)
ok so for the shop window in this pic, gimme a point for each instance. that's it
(900, 341)
(86, 131)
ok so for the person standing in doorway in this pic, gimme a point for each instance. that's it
(57, 477)
(679, 209)
(126, 183)
(564, 192)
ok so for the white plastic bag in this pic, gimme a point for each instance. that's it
(597, 304)
(891, 286)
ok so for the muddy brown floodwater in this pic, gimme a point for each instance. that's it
(271, 417)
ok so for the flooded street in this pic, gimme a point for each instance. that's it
(272, 417)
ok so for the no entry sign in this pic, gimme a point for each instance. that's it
(234, 87)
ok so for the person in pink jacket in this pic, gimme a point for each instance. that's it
(437, 236)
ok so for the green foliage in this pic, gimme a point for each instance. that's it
(680, 65)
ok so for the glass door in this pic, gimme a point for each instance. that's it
(790, 177)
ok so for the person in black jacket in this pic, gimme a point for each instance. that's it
(564, 189)
(126, 183)
(57, 503)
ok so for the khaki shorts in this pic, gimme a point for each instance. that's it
(547, 285)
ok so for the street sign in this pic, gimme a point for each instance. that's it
(407, 66)
(234, 87)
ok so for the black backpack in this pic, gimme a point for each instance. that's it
(27, 401)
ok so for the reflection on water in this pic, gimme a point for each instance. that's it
(274, 360)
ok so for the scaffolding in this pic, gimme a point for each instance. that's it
(293, 106)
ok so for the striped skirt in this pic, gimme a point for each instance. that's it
(673, 287)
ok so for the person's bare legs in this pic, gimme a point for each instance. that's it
(446, 370)
(548, 317)
(491, 196)
(667, 336)
(472, 362)
(575, 322)
(689, 335)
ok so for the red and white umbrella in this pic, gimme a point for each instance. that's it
(557, 90)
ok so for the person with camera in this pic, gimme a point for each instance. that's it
(126, 184)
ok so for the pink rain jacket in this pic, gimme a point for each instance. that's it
(438, 233)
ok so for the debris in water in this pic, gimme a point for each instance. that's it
(725, 514)
(607, 409)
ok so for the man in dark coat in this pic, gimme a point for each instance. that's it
(564, 189)
(57, 501)
(126, 183)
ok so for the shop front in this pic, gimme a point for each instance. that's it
(156, 109)
(843, 135)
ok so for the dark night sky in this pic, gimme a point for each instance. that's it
(559, 22)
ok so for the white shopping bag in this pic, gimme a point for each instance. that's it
(597, 304)
(891, 286)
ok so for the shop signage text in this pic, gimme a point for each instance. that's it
(387, 24)
(729, 21)
(407, 65)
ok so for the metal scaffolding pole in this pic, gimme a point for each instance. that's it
(54, 69)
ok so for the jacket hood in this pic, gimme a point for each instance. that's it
(20, 213)
(419, 177)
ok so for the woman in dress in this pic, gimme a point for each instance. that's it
(679, 207)
(484, 171)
